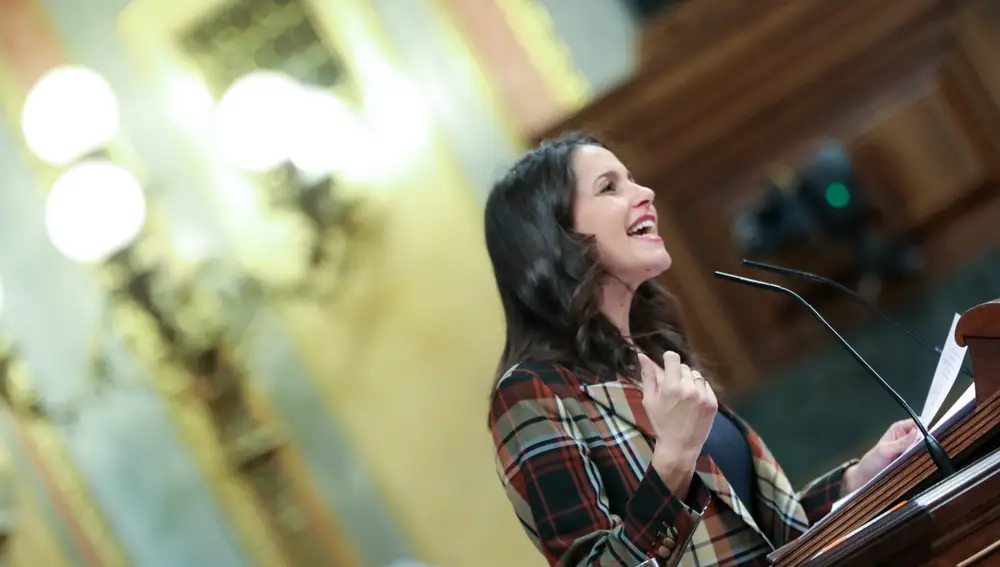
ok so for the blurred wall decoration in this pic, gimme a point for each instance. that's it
(38, 481)
(249, 306)
(11, 376)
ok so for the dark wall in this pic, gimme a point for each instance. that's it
(826, 409)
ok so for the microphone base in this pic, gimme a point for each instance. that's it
(939, 456)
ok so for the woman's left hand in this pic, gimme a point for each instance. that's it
(897, 439)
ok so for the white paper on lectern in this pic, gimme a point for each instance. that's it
(961, 408)
(967, 397)
(948, 367)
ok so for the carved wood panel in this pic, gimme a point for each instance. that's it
(912, 89)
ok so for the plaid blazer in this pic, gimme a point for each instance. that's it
(573, 453)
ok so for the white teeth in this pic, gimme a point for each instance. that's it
(642, 226)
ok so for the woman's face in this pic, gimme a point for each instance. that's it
(619, 213)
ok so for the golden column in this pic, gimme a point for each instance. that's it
(523, 56)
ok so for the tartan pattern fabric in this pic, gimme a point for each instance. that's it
(573, 454)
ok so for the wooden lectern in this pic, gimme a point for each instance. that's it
(913, 518)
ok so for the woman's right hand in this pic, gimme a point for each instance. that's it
(681, 407)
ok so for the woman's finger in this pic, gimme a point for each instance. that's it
(671, 366)
(699, 379)
(685, 373)
(648, 371)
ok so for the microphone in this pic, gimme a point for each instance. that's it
(816, 278)
(934, 448)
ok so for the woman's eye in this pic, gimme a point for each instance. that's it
(607, 187)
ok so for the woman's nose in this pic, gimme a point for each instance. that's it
(643, 196)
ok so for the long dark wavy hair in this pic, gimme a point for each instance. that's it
(550, 279)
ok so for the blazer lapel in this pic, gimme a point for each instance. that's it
(782, 517)
(622, 400)
(712, 478)
(779, 510)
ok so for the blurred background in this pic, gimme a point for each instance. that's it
(247, 315)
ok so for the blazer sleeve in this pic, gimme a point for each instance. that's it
(818, 497)
(557, 492)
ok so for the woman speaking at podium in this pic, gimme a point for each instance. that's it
(610, 443)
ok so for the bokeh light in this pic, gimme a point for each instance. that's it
(93, 210)
(70, 112)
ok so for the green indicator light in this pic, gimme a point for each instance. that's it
(837, 195)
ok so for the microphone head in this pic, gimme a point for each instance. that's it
(742, 280)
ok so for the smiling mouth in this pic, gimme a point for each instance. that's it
(644, 230)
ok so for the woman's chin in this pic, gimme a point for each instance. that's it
(661, 261)
(655, 267)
